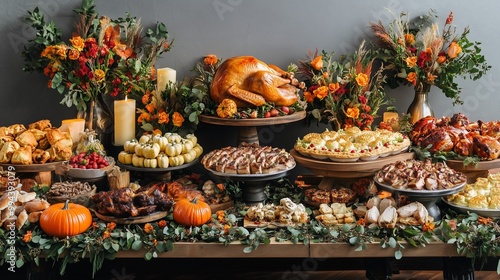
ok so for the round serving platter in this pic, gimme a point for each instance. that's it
(31, 168)
(464, 209)
(144, 169)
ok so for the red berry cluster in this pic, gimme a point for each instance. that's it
(90, 160)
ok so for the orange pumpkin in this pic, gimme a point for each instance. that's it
(65, 219)
(192, 212)
(227, 108)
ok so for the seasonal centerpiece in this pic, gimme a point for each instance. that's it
(103, 59)
(421, 56)
(345, 93)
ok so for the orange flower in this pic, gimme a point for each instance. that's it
(150, 107)
(220, 215)
(148, 228)
(111, 226)
(429, 226)
(144, 116)
(333, 87)
(210, 59)
(317, 62)
(95, 225)
(325, 75)
(352, 112)
(77, 42)
(449, 20)
(362, 79)
(484, 221)
(221, 187)
(60, 51)
(105, 234)
(454, 49)
(431, 77)
(155, 242)
(163, 117)
(409, 39)
(321, 92)
(177, 119)
(145, 98)
(441, 59)
(162, 223)
(73, 54)
(28, 236)
(361, 222)
(156, 132)
(366, 108)
(226, 229)
(411, 61)
(412, 78)
(308, 96)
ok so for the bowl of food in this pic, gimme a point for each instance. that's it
(75, 191)
(89, 166)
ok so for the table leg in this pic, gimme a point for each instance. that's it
(460, 268)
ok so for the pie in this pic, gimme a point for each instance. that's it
(351, 144)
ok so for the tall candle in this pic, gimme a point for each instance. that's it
(163, 76)
(124, 121)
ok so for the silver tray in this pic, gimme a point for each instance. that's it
(420, 193)
(464, 210)
(253, 176)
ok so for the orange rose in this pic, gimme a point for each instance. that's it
(412, 78)
(28, 236)
(73, 54)
(409, 39)
(60, 51)
(177, 119)
(148, 228)
(320, 92)
(163, 117)
(48, 52)
(77, 42)
(145, 99)
(144, 116)
(454, 49)
(308, 96)
(210, 59)
(333, 87)
(411, 61)
(317, 62)
(150, 107)
(352, 112)
(441, 59)
(362, 79)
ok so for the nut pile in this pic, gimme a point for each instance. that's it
(69, 188)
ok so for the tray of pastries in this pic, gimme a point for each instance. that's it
(248, 160)
(481, 197)
(352, 144)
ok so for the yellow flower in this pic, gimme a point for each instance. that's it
(321, 92)
(411, 61)
(412, 78)
(317, 62)
(177, 119)
(409, 39)
(454, 50)
(99, 75)
(352, 112)
(77, 42)
(362, 79)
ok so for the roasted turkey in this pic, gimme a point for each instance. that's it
(458, 134)
(251, 82)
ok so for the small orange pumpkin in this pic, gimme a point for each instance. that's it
(227, 108)
(65, 219)
(192, 212)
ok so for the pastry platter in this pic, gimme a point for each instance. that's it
(493, 213)
(247, 132)
(133, 220)
(156, 170)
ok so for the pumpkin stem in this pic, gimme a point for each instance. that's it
(195, 200)
(66, 205)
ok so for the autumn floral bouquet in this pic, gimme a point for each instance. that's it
(345, 93)
(103, 56)
(421, 55)
(176, 109)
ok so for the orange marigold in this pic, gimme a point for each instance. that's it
(361, 222)
(362, 79)
(226, 229)
(148, 228)
(210, 59)
(428, 227)
(162, 223)
(111, 226)
(145, 98)
(28, 236)
(150, 107)
(484, 220)
(105, 234)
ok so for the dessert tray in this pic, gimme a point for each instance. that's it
(493, 213)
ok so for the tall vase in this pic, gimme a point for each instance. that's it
(420, 106)
(99, 117)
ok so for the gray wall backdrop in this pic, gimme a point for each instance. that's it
(275, 31)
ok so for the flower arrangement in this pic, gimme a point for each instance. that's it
(421, 56)
(345, 93)
(103, 56)
(176, 109)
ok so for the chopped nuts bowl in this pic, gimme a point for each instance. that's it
(75, 191)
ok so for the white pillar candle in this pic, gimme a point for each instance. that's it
(124, 121)
(74, 127)
(163, 76)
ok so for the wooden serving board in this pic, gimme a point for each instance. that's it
(221, 206)
(133, 220)
(31, 168)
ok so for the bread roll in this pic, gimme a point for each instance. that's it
(39, 134)
(4, 201)
(41, 124)
(36, 205)
(7, 224)
(21, 219)
(34, 217)
(23, 156)
(27, 139)
(16, 129)
(40, 156)
(54, 135)
(25, 197)
(7, 150)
